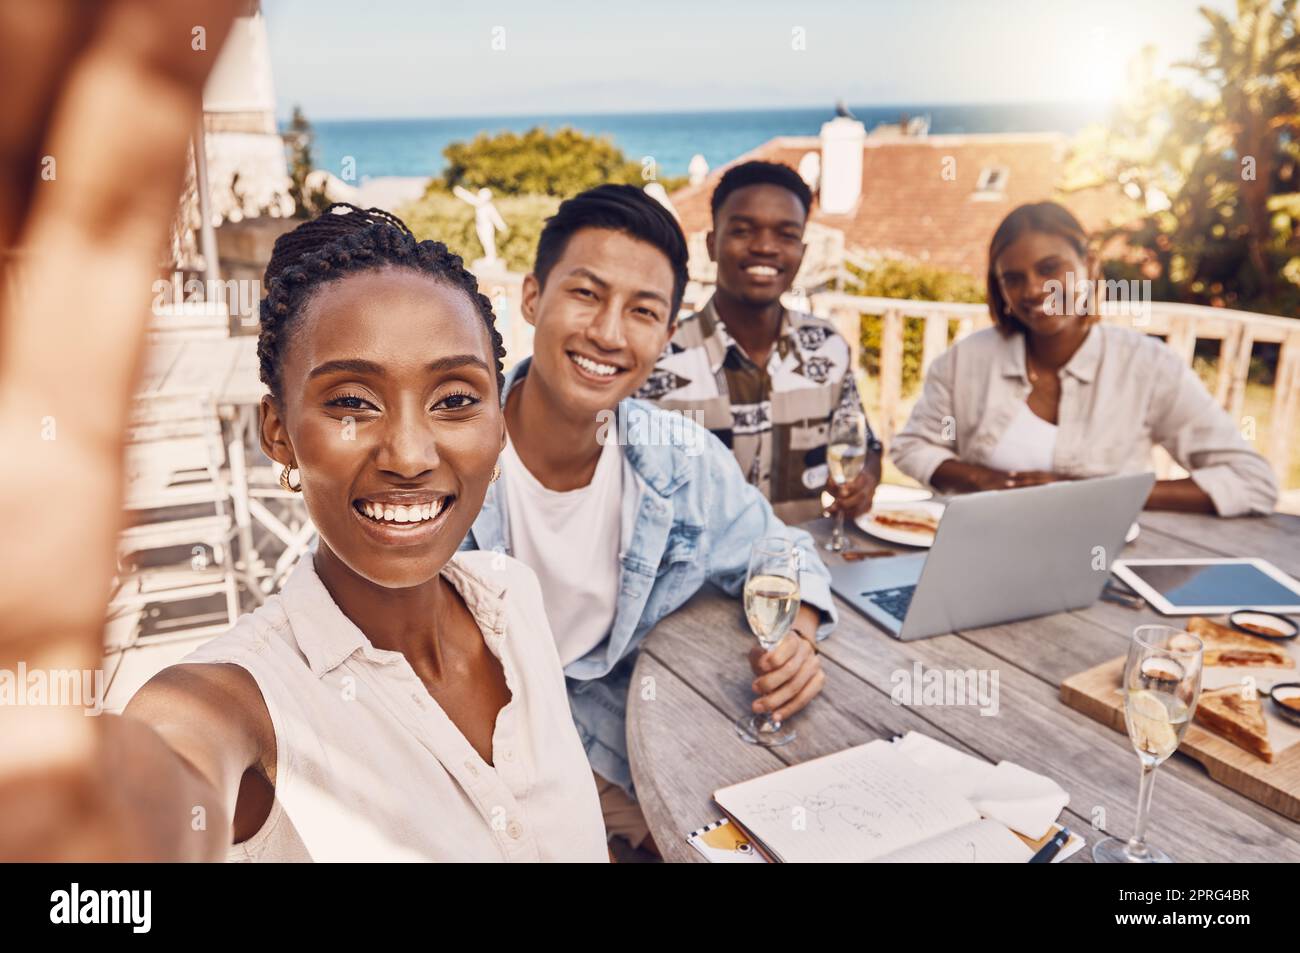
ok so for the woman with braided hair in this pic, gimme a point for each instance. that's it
(397, 700)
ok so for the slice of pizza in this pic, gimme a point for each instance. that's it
(1229, 648)
(913, 521)
(1230, 714)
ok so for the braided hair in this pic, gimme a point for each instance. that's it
(343, 240)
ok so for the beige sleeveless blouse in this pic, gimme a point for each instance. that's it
(369, 767)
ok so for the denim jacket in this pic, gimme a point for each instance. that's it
(688, 518)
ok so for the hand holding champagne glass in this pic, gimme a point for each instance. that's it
(1162, 683)
(846, 455)
(771, 603)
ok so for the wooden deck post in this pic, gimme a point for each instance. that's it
(935, 341)
(1240, 371)
(891, 371)
(1228, 349)
(1286, 406)
(1182, 337)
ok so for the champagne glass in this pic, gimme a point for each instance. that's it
(1162, 683)
(846, 455)
(771, 602)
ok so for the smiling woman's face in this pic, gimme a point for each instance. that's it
(391, 413)
(1041, 275)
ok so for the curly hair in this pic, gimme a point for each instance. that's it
(345, 240)
(756, 172)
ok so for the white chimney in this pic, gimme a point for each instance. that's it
(841, 180)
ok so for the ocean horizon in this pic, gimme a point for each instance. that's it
(414, 147)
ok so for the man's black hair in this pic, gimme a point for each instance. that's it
(761, 173)
(619, 208)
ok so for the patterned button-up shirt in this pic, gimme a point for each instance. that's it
(776, 418)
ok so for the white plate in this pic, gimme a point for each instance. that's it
(888, 493)
(892, 534)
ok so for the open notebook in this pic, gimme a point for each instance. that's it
(868, 803)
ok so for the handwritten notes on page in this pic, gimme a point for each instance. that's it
(865, 803)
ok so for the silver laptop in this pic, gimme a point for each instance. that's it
(1000, 556)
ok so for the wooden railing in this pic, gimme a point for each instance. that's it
(1181, 325)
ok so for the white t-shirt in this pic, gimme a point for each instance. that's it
(1028, 443)
(571, 540)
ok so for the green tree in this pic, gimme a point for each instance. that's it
(1254, 62)
(538, 162)
(307, 202)
(1212, 168)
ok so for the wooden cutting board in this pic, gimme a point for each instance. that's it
(1276, 786)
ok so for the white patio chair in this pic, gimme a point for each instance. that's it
(178, 495)
(295, 531)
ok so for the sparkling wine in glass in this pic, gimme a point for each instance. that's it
(1162, 683)
(846, 455)
(771, 603)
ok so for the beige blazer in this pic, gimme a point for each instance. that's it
(1121, 393)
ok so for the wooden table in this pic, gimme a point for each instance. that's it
(692, 680)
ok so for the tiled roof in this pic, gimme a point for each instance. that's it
(907, 206)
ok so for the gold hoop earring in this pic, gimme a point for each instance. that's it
(285, 482)
(496, 472)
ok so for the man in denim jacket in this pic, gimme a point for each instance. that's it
(664, 507)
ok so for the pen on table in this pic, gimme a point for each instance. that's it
(1113, 593)
(1051, 848)
(853, 555)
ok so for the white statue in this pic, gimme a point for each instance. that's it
(657, 192)
(810, 170)
(487, 220)
(698, 169)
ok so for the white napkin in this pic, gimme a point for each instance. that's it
(1026, 802)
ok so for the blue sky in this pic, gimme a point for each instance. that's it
(404, 58)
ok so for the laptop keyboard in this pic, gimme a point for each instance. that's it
(893, 601)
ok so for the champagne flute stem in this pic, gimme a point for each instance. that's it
(1137, 843)
(837, 539)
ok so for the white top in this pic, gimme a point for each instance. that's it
(1028, 443)
(370, 768)
(571, 539)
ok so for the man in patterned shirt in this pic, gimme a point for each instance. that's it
(764, 379)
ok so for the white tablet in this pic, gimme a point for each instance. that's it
(1210, 586)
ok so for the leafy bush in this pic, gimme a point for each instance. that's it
(445, 218)
(897, 278)
(539, 162)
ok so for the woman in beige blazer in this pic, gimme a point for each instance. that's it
(1049, 393)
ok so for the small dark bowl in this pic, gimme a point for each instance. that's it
(1286, 628)
(1290, 690)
